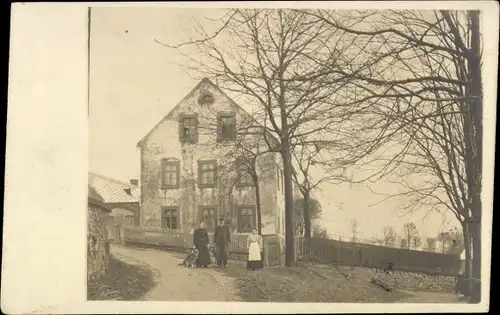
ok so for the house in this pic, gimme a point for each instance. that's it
(122, 199)
(188, 175)
(97, 241)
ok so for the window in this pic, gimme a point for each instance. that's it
(170, 218)
(207, 172)
(246, 219)
(188, 128)
(226, 126)
(209, 217)
(170, 176)
(243, 172)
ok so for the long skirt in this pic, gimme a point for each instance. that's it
(203, 256)
(254, 257)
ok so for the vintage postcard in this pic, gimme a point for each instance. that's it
(257, 158)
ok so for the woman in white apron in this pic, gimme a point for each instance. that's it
(254, 245)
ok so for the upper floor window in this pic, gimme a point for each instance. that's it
(226, 126)
(207, 173)
(244, 170)
(188, 128)
(170, 174)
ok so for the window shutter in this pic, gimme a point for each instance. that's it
(215, 174)
(233, 127)
(181, 128)
(162, 173)
(219, 128)
(195, 128)
(178, 173)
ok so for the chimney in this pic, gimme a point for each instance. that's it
(134, 182)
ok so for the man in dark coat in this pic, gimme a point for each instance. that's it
(222, 239)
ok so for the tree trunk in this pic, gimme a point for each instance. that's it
(257, 202)
(307, 216)
(476, 113)
(468, 262)
(289, 211)
(307, 226)
(476, 261)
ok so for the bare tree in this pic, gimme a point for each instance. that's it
(261, 56)
(424, 70)
(431, 244)
(354, 230)
(416, 241)
(390, 236)
(410, 231)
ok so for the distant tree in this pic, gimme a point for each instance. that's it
(404, 243)
(320, 232)
(354, 230)
(431, 244)
(416, 241)
(314, 212)
(450, 241)
(390, 236)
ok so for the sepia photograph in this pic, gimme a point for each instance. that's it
(285, 155)
(250, 157)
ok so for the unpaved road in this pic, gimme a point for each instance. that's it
(178, 283)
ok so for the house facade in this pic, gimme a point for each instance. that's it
(197, 165)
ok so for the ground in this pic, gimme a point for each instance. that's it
(126, 280)
(272, 284)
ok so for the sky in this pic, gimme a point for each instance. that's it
(135, 82)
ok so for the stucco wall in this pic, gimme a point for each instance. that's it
(97, 247)
(163, 142)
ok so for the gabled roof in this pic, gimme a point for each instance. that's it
(95, 199)
(207, 81)
(112, 190)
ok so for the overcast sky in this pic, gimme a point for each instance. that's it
(135, 82)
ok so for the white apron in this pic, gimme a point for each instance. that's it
(254, 252)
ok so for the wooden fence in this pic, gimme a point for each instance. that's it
(175, 239)
(364, 255)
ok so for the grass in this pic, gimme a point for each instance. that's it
(123, 281)
(307, 283)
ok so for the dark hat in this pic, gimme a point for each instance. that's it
(222, 219)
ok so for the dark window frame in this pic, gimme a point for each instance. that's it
(213, 219)
(170, 162)
(190, 138)
(200, 173)
(170, 209)
(226, 136)
(239, 209)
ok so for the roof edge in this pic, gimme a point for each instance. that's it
(204, 80)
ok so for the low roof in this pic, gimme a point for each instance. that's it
(112, 190)
(95, 199)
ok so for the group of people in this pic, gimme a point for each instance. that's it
(222, 239)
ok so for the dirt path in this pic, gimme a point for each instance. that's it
(178, 283)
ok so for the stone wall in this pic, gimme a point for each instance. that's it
(97, 245)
